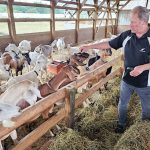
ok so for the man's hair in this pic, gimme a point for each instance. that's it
(142, 12)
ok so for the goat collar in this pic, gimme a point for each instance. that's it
(16, 55)
(36, 73)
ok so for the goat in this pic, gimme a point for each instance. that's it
(31, 75)
(60, 44)
(66, 75)
(53, 44)
(13, 50)
(4, 71)
(25, 46)
(7, 111)
(46, 50)
(72, 50)
(25, 93)
(14, 63)
(92, 64)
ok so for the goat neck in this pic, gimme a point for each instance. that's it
(64, 76)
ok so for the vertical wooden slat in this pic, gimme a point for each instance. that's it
(108, 9)
(112, 24)
(77, 21)
(147, 3)
(117, 19)
(52, 20)
(11, 23)
(94, 21)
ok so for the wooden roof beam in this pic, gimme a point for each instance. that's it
(125, 4)
(101, 4)
(31, 4)
(3, 2)
(116, 3)
(70, 8)
(68, 2)
(83, 3)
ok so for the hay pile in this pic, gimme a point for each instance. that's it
(71, 140)
(99, 121)
(137, 137)
(94, 128)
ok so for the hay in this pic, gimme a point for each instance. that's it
(110, 113)
(100, 120)
(71, 140)
(137, 137)
(101, 130)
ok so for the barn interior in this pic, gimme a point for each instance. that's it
(79, 22)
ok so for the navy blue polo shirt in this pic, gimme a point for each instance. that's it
(136, 52)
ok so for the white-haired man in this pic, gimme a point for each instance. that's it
(136, 77)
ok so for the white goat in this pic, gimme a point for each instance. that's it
(25, 46)
(13, 50)
(25, 90)
(8, 111)
(60, 44)
(46, 50)
(4, 72)
(33, 56)
(72, 50)
(53, 44)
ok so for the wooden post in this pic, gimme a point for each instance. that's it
(77, 22)
(11, 23)
(146, 3)
(107, 20)
(94, 20)
(70, 106)
(117, 20)
(53, 19)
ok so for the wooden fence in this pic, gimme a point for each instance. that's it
(67, 93)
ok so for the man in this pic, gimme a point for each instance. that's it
(136, 77)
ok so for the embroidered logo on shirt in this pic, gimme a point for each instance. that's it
(142, 50)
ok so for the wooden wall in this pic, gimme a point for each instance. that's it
(84, 35)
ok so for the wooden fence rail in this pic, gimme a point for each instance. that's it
(67, 94)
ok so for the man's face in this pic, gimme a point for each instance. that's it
(136, 24)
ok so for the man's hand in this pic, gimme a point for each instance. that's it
(137, 71)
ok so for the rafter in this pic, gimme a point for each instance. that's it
(83, 3)
(125, 4)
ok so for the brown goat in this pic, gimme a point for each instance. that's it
(16, 63)
(67, 74)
